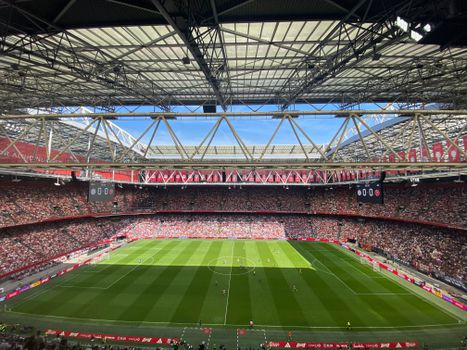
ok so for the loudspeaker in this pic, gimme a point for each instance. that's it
(382, 176)
(209, 108)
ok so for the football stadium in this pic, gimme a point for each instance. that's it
(233, 174)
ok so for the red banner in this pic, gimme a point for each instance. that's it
(453, 153)
(438, 151)
(306, 345)
(413, 155)
(24, 152)
(110, 337)
(402, 156)
(387, 345)
(424, 155)
(315, 345)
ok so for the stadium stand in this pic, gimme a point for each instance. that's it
(34, 246)
(40, 221)
(207, 226)
(12, 341)
(36, 201)
(427, 248)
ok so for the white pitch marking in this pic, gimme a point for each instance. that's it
(228, 290)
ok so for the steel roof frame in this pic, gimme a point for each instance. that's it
(353, 60)
(97, 143)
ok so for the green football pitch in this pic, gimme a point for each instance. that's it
(229, 282)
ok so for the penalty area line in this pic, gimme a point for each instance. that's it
(228, 290)
(133, 269)
(420, 294)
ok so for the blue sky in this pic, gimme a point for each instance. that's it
(192, 132)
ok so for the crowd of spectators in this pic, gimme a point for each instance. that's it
(206, 225)
(36, 201)
(427, 248)
(249, 212)
(27, 245)
(424, 247)
(33, 270)
(443, 203)
(37, 341)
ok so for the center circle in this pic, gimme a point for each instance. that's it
(225, 265)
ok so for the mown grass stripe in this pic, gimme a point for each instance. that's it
(158, 280)
(335, 289)
(288, 308)
(263, 307)
(388, 308)
(59, 301)
(334, 299)
(197, 290)
(240, 305)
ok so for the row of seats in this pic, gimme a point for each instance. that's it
(36, 201)
(428, 249)
(27, 245)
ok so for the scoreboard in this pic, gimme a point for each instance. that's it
(101, 192)
(370, 193)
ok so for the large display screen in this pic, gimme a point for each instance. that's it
(370, 193)
(101, 192)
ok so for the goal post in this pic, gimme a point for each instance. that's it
(376, 267)
(365, 261)
(97, 259)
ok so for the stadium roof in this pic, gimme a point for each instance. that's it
(148, 52)
(117, 55)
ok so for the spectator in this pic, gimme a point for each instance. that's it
(36, 201)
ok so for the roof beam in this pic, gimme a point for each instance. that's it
(79, 59)
(246, 164)
(182, 26)
(460, 114)
(63, 11)
(360, 48)
(234, 6)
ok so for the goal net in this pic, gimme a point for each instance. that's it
(376, 267)
(96, 260)
(120, 243)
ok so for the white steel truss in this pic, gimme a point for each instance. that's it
(413, 140)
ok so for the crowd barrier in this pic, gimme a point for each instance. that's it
(27, 267)
(342, 345)
(48, 278)
(263, 238)
(110, 337)
(418, 283)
